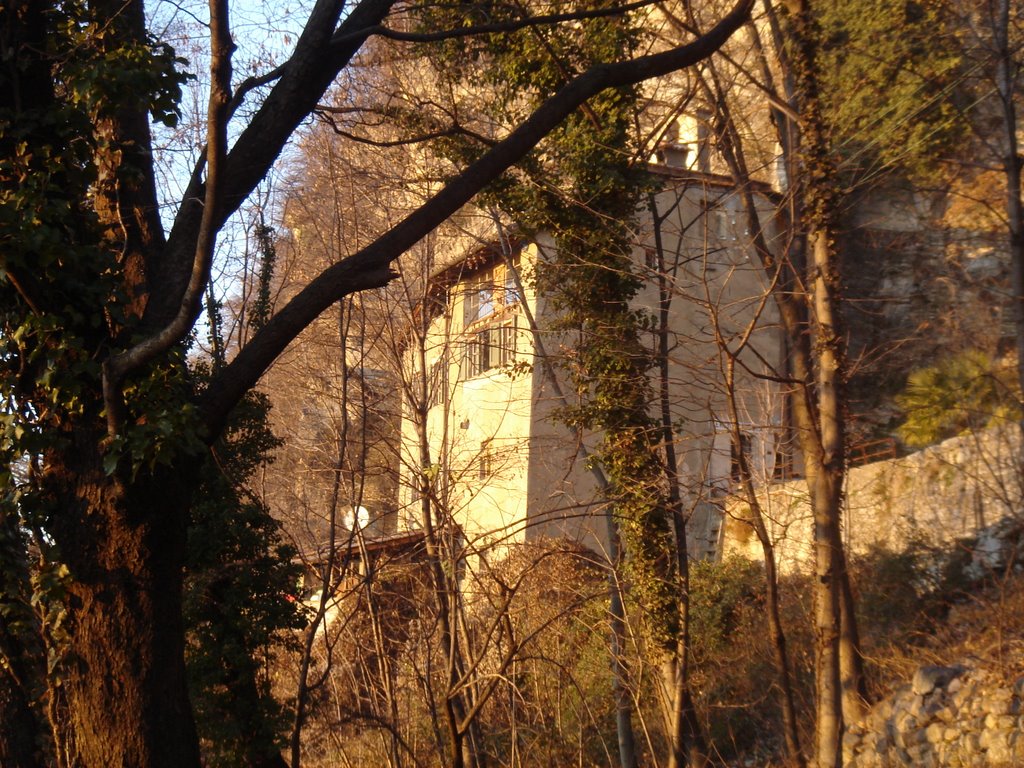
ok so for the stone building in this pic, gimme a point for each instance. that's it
(498, 462)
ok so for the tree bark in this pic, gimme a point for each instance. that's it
(125, 191)
(123, 669)
(851, 660)
(1005, 73)
(819, 404)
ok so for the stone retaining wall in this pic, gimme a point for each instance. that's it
(937, 496)
(948, 717)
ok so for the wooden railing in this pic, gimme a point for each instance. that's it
(872, 450)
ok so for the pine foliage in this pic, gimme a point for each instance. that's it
(958, 394)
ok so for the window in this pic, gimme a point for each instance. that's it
(485, 461)
(720, 225)
(491, 347)
(504, 347)
(479, 301)
(438, 381)
(477, 353)
(512, 295)
(726, 219)
(488, 291)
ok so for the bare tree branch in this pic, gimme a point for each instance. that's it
(370, 267)
(116, 367)
(512, 25)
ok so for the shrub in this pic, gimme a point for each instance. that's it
(960, 393)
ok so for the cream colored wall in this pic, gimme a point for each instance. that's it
(716, 283)
(488, 414)
(564, 496)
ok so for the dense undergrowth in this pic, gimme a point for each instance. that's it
(916, 607)
(553, 705)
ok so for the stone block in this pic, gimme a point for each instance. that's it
(998, 707)
(1018, 687)
(928, 678)
(999, 752)
(881, 712)
(995, 722)
(971, 743)
(935, 733)
(904, 722)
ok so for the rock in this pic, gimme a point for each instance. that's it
(995, 722)
(916, 706)
(998, 707)
(935, 733)
(999, 752)
(949, 717)
(1000, 702)
(927, 679)
(971, 743)
(932, 708)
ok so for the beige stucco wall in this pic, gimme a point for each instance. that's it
(719, 302)
(937, 496)
(473, 419)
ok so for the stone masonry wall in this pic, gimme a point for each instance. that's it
(938, 496)
(948, 717)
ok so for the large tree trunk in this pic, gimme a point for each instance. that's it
(819, 404)
(1005, 76)
(828, 712)
(123, 665)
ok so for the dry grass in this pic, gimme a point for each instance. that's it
(985, 627)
